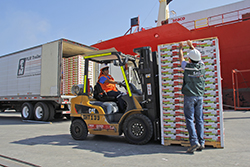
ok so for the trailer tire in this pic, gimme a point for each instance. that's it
(41, 111)
(51, 111)
(138, 129)
(78, 129)
(27, 111)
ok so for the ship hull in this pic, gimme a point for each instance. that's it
(234, 41)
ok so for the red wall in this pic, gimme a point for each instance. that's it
(234, 44)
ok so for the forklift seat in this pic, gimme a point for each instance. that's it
(111, 110)
(108, 107)
(101, 95)
(111, 107)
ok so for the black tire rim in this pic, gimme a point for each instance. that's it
(77, 130)
(137, 129)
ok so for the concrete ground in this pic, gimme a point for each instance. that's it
(50, 145)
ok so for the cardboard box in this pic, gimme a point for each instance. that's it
(211, 112)
(211, 125)
(168, 124)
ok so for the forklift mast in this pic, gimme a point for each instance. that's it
(149, 77)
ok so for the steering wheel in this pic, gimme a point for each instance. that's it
(123, 84)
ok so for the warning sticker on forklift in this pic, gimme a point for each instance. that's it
(100, 127)
(149, 89)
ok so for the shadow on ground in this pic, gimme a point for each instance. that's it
(109, 146)
(15, 118)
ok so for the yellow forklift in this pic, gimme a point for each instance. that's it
(100, 115)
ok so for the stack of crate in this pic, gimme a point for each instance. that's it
(73, 72)
(171, 79)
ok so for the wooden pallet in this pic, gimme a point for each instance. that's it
(187, 144)
(179, 142)
(215, 144)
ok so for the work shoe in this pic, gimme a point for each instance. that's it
(201, 147)
(193, 148)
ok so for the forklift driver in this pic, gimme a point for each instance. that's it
(107, 83)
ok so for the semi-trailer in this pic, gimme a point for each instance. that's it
(31, 80)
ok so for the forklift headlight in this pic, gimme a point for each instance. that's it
(77, 89)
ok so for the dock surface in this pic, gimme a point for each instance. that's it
(49, 144)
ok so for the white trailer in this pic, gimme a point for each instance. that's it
(31, 80)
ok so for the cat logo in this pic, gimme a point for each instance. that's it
(91, 110)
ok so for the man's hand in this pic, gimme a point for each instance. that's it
(181, 52)
(181, 45)
(119, 83)
(190, 44)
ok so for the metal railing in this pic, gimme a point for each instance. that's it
(236, 92)
(225, 18)
(216, 20)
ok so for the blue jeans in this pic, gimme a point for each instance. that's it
(193, 110)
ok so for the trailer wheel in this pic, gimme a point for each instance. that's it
(51, 111)
(41, 111)
(138, 129)
(27, 111)
(78, 129)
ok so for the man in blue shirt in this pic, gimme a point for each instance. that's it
(108, 85)
(193, 89)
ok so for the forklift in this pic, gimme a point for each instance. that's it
(99, 115)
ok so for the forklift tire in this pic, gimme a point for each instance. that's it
(78, 129)
(138, 129)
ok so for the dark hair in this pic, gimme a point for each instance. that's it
(194, 61)
(106, 68)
